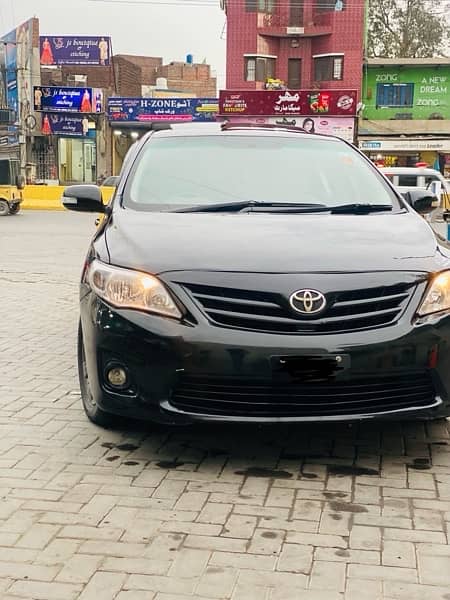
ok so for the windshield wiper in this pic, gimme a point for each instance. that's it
(359, 209)
(243, 204)
(288, 207)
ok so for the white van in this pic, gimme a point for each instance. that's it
(405, 178)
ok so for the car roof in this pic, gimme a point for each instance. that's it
(410, 170)
(251, 129)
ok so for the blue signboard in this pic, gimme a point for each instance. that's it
(66, 125)
(147, 110)
(75, 50)
(67, 99)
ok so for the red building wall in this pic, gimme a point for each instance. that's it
(246, 34)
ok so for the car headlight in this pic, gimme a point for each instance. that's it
(437, 298)
(124, 288)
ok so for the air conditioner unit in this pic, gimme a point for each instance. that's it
(77, 80)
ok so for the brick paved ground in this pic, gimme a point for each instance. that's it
(316, 513)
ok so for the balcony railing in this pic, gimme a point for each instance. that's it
(287, 25)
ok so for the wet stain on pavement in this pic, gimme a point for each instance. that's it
(269, 535)
(342, 553)
(112, 458)
(263, 472)
(309, 475)
(109, 445)
(336, 517)
(169, 464)
(291, 456)
(343, 470)
(127, 447)
(347, 507)
(421, 464)
(130, 463)
(331, 495)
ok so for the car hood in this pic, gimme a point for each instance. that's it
(273, 243)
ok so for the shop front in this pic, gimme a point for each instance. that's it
(130, 118)
(409, 152)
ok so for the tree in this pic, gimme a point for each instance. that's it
(407, 28)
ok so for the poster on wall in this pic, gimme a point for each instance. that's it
(66, 125)
(15, 67)
(162, 109)
(342, 127)
(68, 99)
(286, 102)
(75, 50)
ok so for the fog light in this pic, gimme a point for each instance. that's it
(117, 377)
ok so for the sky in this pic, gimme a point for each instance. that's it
(136, 26)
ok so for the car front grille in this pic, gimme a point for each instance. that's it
(241, 397)
(346, 311)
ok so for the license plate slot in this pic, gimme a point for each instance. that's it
(309, 367)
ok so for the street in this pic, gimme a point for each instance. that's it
(323, 512)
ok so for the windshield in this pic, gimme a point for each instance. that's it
(204, 170)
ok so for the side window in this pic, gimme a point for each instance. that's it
(407, 180)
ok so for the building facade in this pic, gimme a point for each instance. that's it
(405, 116)
(304, 43)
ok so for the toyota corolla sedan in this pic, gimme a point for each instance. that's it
(260, 274)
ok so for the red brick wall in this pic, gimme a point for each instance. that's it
(347, 30)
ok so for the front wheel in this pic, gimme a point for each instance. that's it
(4, 208)
(13, 210)
(93, 412)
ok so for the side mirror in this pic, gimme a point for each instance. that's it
(20, 182)
(421, 201)
(83, 198)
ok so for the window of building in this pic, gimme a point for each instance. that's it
(395, 94)
(328, 5)
(259, 68)
(329, 67)
(294, 73)
(265, 6)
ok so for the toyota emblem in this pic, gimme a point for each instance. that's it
(308, 302)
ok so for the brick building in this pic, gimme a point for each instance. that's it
(305, 43)
(127, 76)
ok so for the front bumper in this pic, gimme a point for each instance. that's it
(181, 373)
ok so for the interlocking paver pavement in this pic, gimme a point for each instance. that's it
(324, 512)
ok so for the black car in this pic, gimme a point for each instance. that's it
(260, 274)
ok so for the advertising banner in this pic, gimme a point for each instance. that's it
(286, 102)
(67, 99)
(65, 125)
(75, 50)
(162, 109)
(343, 127)
(15, 69)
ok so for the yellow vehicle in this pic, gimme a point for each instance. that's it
(11, 185)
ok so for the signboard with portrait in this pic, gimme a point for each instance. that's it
(68, 99)
(286, 102)
(343, 127)
(66, 125)
(75, 50)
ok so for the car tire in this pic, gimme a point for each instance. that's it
(13, 210)
(4, 208)
(95, 414)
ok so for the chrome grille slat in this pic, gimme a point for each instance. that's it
(347, 310)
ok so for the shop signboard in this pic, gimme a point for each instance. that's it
(288, 102)
(16, 50)
(75, 50)
(343, 127)
(66, 125)
(147, 110)
(405, 145)
(407, 92)
(67, 99)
